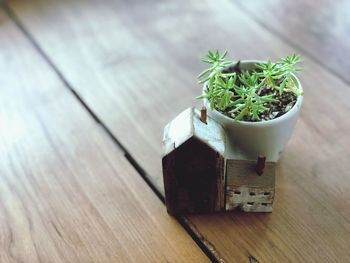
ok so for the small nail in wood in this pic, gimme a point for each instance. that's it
(260, 165)
(204, 115)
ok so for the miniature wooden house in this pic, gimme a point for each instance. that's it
(193, 165)
(198, 175)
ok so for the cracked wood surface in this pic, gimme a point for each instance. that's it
(67, 193)
(135, 63)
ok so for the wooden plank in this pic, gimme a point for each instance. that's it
(67, 193)
(135, 64)
(320, 28)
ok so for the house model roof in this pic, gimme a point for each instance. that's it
(187, 125)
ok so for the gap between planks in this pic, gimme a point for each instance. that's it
(207, 248)
(33, 32)
(130, 158)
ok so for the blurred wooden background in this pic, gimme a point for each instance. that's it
(86, 88)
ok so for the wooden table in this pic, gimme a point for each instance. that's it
(86, 88)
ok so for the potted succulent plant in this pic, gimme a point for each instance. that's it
(257, 102)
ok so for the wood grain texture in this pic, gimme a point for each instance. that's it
(135, 64)
(67, 193)
(320, 28)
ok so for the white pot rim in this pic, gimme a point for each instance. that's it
(287, 115)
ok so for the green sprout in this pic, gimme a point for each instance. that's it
(282, 71)
(220, 86)
(248, 103)
(247, 95)
(217, 62)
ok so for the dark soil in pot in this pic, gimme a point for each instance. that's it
(285, 101)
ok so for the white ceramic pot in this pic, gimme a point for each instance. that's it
(251, 139)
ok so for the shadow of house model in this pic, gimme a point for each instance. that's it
(202, 175)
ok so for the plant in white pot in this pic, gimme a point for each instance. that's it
(256, 102)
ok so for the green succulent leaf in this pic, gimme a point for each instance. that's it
(239, 94)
